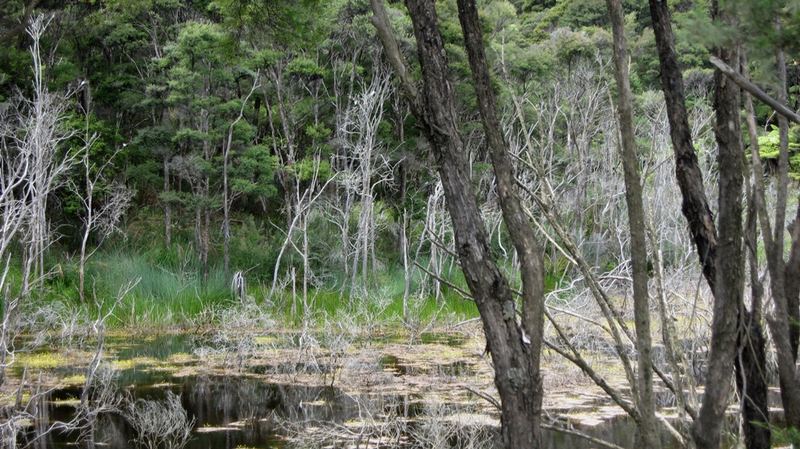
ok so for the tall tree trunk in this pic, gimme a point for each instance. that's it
(206, 236)
(687, 170)
(792, 285)
(167, 205)
(695, 209)
(205, 195)
(404, 230)
(751, 366)
(516, 221)
(198, 230)
(791, 274)
(226, 207)
(648, 434)
(435, 109)
(730, 268)
(751, 381)
(287, 157)
(779, 320)
(84, 242)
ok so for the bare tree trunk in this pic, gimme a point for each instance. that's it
(519, 228)
(648, 434)
(206, 234)
(226, 194)
(792, 286)
(701, 224)
(167, 205)
(406, 267)
(226, 206)
(675, 359)
(516, 377)
(791, 270)
(287, 157)
(730, 273)
(205, 191)
(306, 268)
(751, 380)
(198, 230)
(687, 170)
(85, 240)
(778, 321)
(404, 231)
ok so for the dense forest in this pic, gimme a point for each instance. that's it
(592, 205)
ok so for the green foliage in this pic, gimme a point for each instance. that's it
(310, 168)
(769, 148)
(253, 172)
(304, 67)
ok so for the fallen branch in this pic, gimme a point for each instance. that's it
(756, 91)
(466, 295)
(579, 434)
(555, 428)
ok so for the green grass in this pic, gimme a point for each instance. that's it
(160, 295)
(171, 291)
(167, 292)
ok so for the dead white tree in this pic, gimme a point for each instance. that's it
(434, 237)
(41, 134)
(303, 205)
(103, 206)
(365, 170)
(32, 165)
(160, 423)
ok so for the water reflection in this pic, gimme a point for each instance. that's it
(229, 411)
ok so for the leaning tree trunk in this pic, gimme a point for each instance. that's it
(84, 243)
(695, 204)
(730, 268)
(648, 434)
(435, 110)
(687, 169)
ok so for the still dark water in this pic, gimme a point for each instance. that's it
(238, 411)
(218, 406)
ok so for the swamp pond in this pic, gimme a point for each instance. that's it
(290, 390)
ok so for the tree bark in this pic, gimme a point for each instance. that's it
(752, 364)
(88, 223)
(519, 228)
(435, 110)
(730, 267)
(792, 284)
(778, 321)
(687, 170)
(751, 381)
(226, 206)
(648, 435)
(167, 205)
(701, 224)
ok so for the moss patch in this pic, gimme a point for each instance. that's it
(41, 360)
(76, 379)
(133, 363)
